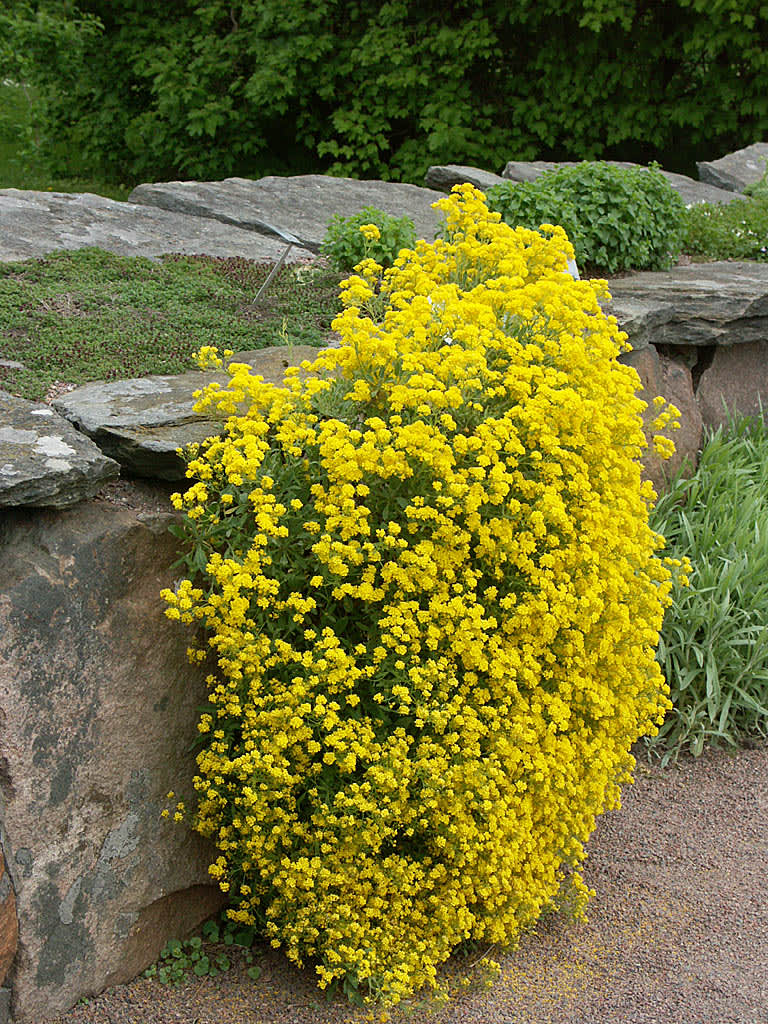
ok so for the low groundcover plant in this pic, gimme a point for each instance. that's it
(425, 578)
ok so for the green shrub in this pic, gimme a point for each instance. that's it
(728, 231)
(346, 245)
(430, 595)
(714, 642)
(617, 218)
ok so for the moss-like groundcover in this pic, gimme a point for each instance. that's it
(90, 315)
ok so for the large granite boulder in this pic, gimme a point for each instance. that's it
(690, 190)
(140, 423)
(444, 176)
(99, 705)
(723, 303)
(670, 378)
(35, 223)
(44, 461)
(302, 205)
(735, 382)
(735, 171)
(9, 926)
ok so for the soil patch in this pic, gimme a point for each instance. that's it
(677, 930)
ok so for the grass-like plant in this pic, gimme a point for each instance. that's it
(714, 641)
(728, 231)
(90, 315)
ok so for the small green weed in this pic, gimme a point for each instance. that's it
(759, 189)
(90, 315)
(345, 246)
(203, 956)
(714, 641)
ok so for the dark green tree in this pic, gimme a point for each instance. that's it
(208, 88)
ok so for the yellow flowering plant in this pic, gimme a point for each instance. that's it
(424, 576)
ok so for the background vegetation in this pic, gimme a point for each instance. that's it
(207, 88)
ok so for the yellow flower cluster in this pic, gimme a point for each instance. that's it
(426, 576)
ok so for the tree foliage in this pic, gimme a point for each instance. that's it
(213, 87)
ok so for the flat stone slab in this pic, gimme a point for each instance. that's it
(35, 223)
(736, 170)
(690, 190)
(444, 176)
(141, 422)
(640, 318)
(44, 461)
(723, 303)
(302, 205)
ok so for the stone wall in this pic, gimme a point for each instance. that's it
(97, 701)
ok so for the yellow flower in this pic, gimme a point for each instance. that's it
(370, 232)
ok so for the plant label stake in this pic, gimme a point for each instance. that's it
(286, 237)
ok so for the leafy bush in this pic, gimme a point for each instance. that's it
(345, 244)
(714, 642)
(728, 231)
(372, 89)
(618, 218)
(427, 581)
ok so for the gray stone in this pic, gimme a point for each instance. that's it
(5, 1006)
(640, 318)
(671, 379)
(736, 382)
(690, 190)
(99, 704)
(736, 170)
(43, 460)
(530, 170)
(35, 223)
(141, 422)
(723, 303)
(444, 176)
(302, 205)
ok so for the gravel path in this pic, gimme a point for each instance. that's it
(677, 931)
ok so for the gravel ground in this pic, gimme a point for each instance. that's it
(677, 930)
